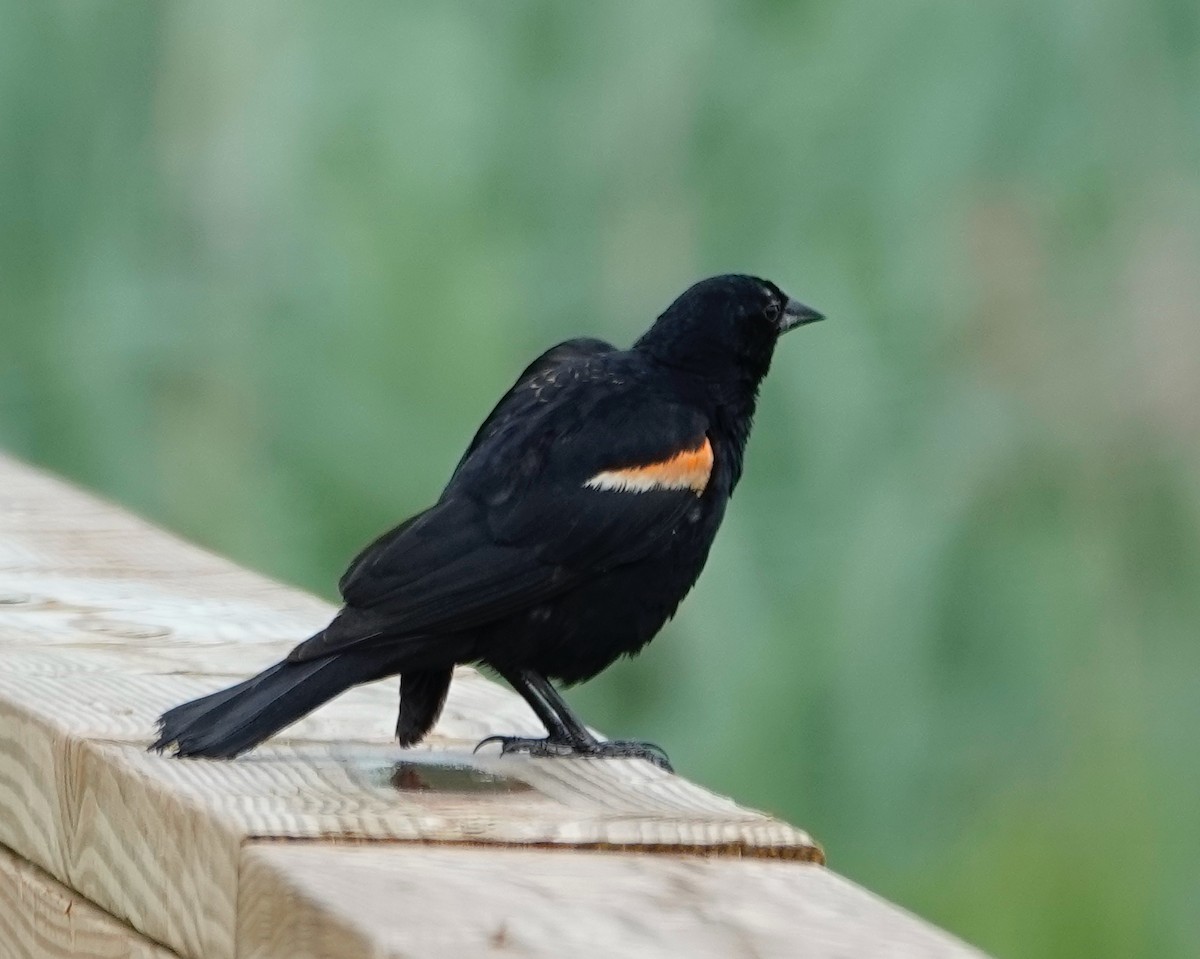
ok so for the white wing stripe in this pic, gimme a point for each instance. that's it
(630, 482)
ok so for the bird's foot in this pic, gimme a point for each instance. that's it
(629, 749)
(531, 747)
(596, 749)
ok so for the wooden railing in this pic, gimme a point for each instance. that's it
(330, 841)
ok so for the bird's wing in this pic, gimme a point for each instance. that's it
(511, 405)
(558, 355)
(580, 480)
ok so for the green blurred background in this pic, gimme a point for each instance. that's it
(264, 267)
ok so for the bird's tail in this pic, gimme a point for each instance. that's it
(232, 720)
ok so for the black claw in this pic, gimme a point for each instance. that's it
(487, 742)
(615, 749)
(622, 749)
(532, 747)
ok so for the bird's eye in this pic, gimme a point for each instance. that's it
(772, 311)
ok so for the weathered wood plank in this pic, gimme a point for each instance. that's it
(157, 841)
(105, 621)
(318, 901)
(41, 918)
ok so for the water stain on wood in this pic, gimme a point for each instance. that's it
(444, 777)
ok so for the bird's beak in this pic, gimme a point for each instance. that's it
(797, 314)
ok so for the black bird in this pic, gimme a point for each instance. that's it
(578, 519)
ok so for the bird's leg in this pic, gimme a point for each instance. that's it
(561, 739)
(589, 745)
(563, 731)
(567, 734)
(553, 700)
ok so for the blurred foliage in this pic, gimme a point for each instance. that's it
(265, 267)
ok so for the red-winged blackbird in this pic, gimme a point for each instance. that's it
(576, 522)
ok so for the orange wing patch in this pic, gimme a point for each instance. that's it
(687, 470)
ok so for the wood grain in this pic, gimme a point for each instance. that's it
(156, 841)
(105, 621)
(321, 902)
(41, 918)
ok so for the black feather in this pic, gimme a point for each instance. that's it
(422, 696)
(528, 562)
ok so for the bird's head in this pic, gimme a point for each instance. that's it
(725, 328)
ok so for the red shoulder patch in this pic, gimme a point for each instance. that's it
(689, 469)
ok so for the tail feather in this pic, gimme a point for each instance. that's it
(230, 721)
(422, 695)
